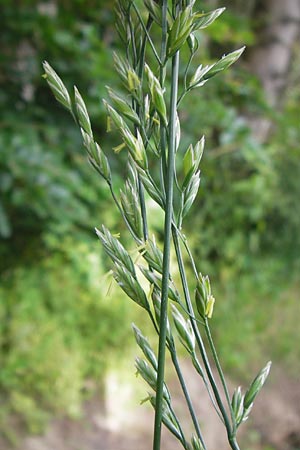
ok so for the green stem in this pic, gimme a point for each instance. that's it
(233, 443)
(199, 340)
(186, 71)
(211, 342)
(182, 436)
(146, 31)
(181, 98)
(162, 177)
(141, 64)
(133, 46)
(153, 321)
(166, 254)
(163, 131)
(190, 255)
(143, 209)
(220, 371)
(172, 349)
(186, 395)
(210, 394)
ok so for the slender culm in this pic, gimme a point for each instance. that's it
(166, 256)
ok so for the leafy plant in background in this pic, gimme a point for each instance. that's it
(48, 339)
(147, 122)
(47, 192)
(43, 178)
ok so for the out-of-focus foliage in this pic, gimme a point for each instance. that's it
(247, 207)
(56, 323)
(286, 160)
(45, 180)
(237, 180)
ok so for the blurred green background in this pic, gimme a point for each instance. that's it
(56, 322)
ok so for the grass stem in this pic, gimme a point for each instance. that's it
(166, 253)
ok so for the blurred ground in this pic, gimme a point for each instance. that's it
(274, 423)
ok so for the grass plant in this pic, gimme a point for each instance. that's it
(146, 117)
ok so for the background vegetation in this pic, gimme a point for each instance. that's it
(56, 321)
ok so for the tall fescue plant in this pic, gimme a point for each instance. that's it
(146, 120)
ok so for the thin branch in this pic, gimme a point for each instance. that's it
(200, 343)
(147, 34)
